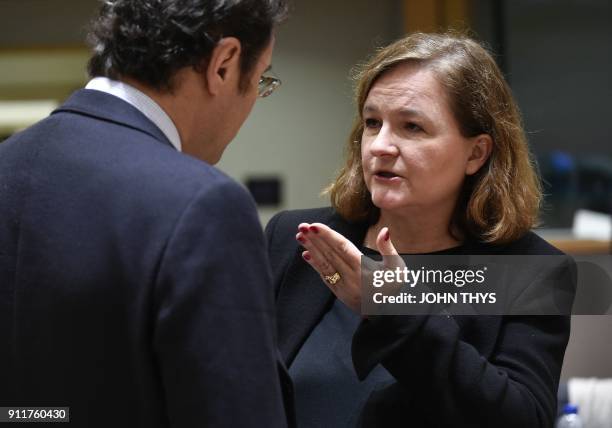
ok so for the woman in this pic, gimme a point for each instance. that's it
(437, 164)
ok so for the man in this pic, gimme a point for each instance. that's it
(134, 286)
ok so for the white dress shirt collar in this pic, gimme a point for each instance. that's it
(142, 102)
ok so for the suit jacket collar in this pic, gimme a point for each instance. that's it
(305, 299)
(107, 107)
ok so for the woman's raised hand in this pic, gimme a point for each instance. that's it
(338, 260)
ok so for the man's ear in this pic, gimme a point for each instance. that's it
(481, 147)
(223, 64)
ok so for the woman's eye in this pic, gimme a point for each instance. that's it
(372, 123)
(413, 127)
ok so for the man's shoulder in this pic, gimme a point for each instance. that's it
(126, 165)
(171, 168)
(176, 179)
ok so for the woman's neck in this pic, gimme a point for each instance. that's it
(414, 233)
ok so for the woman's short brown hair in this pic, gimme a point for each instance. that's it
(501, 201)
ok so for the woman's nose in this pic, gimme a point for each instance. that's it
(383, 144)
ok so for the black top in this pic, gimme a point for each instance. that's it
(323, 373)
(462, 371)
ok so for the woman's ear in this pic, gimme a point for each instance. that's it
(481, 147)
(223, 66)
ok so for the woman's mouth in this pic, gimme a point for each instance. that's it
(386, 176)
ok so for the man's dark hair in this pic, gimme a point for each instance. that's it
(150, 40)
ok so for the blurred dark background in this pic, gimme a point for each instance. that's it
(556, 55)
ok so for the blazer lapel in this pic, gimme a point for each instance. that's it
(107, 107)
(304, 299)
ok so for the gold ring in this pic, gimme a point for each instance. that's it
(332, 279)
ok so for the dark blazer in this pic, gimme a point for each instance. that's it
(134, 284)
(462, 371)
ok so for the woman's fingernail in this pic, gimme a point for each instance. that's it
(315, 229)
(303, 229)
(306, 256)
(387, 235)
(300, 239)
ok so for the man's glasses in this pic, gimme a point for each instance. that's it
(267, 85)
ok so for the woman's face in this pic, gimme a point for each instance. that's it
(412, 152)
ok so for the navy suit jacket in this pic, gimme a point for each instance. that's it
(134, 281)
